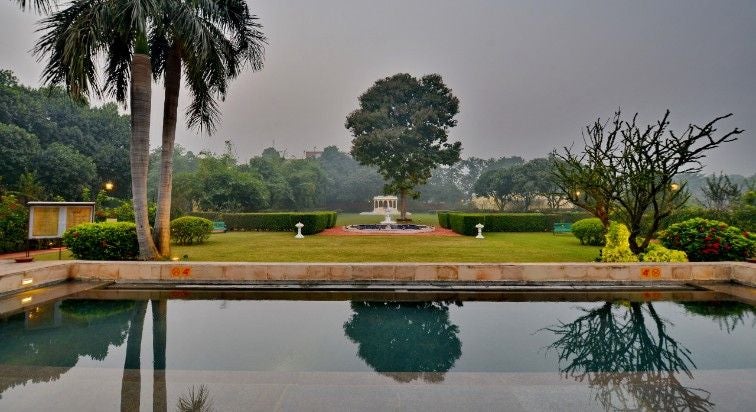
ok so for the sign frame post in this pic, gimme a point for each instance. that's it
(49, 220)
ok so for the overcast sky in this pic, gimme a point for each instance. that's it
(529, 74)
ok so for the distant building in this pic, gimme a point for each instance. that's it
(313, 154)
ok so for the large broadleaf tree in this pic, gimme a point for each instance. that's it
(402, 128)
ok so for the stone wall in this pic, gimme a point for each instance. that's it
(15, 277)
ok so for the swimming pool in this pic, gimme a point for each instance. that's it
(518, 350)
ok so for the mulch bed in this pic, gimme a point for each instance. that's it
(340, 231)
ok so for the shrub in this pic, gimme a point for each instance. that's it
(741, 215)
(314, 222)
(617, 247)
(103, 241)
(464, 223)
(709, 240)
(590, 231)
(188, 230)
(658, 253)
(14, 224)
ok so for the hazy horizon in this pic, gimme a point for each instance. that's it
(530, 75)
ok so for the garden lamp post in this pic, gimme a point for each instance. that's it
(479, 226)
(299, 227)
(109, 186)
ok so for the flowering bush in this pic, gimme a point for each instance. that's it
(658, 253)
(617, 247)
(709, 240)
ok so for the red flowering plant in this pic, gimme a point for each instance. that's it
(709, 240)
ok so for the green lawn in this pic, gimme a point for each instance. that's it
(282, 247)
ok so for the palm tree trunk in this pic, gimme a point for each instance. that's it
(139, 151)
(170, 107)
(131, 380)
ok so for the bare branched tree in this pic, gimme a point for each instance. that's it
(628, 171)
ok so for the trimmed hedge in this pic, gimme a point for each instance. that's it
(103, 241)
(464, 223)
(443, 218)
(188, 230)
(314, 222)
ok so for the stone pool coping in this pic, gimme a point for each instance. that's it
(15, 277)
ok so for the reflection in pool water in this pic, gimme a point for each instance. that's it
(628, 358)
(728, 314)
(195, 400)
(54, 337)
(405, 340)
(631, 354)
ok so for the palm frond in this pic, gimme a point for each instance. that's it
(71, 44)
(218, 39)
(38, 6)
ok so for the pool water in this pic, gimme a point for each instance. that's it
(105, 350)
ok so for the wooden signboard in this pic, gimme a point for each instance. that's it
(48, 220)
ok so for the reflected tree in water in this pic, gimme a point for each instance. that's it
(159, 337)
(43, 343)
(196, 400)
(624, 353)
(132, 377)
(131, 380)
(728, 314)
(405, 340)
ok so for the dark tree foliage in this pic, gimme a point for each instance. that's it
(348, 185)
(720, 192)
(18, 152)
(401, 127)
(33, 119)
(65, 171)
(518, 185)
(629, 170)
(497, 184)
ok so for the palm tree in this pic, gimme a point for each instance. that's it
(211, 41)
(75, 38)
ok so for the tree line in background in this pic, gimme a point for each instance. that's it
(51, 147)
